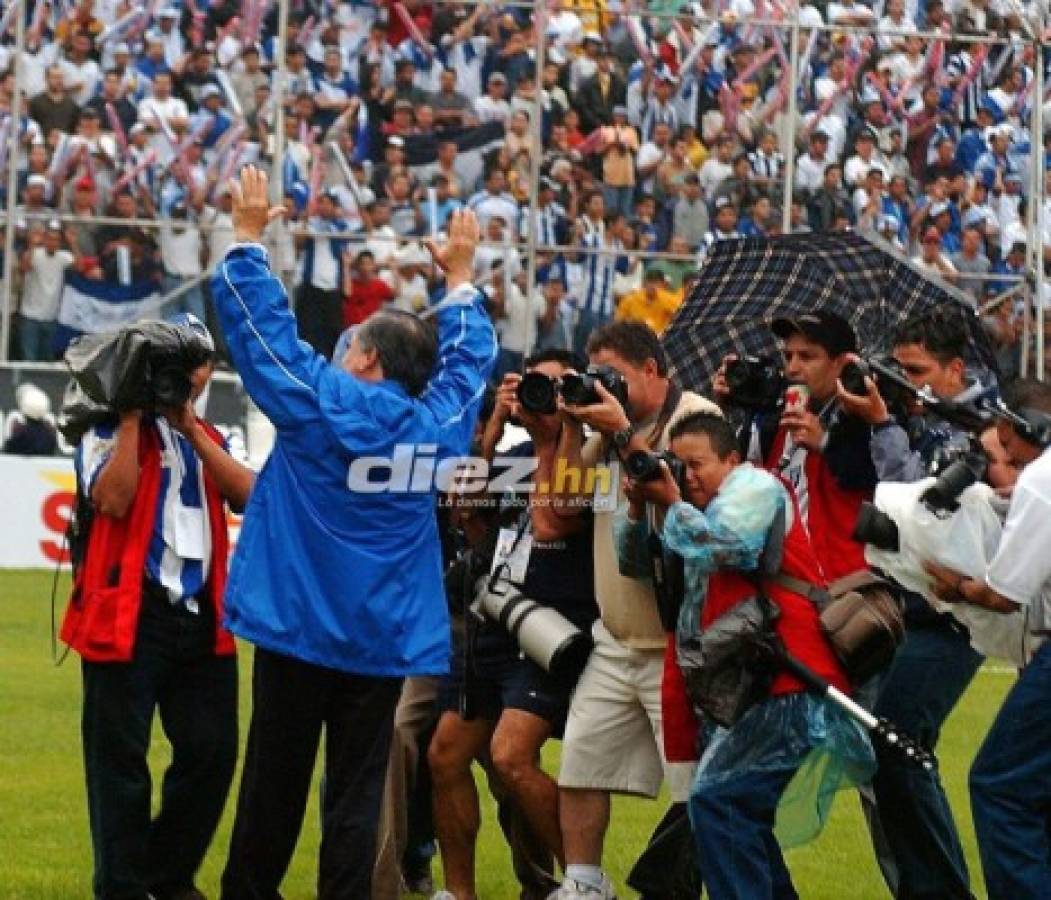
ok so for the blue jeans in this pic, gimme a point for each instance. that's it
(619, 200)
(733, 827)
(1011, 789)
(36, 340)
(929, 675)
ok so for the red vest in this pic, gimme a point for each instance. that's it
(102, 618)
(831, 514)
(798, 625)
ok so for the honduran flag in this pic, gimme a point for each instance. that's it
(89, 307)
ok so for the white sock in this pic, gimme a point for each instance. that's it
(589, 875)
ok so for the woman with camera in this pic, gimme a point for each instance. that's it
(744, 544)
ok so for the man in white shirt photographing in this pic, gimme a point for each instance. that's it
(1010, 779)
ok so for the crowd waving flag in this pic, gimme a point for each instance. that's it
(89, 306)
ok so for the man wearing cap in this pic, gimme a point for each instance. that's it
(171, 37)
(212, 102)
(932, 258)
(599, 96)
(865, 158)
(822, 452)
(146, 617)
(493, 106)
(619, 143)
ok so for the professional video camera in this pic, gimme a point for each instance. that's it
(538, 392)
(755, 382)
(144, 366)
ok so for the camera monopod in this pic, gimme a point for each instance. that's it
(886, 732)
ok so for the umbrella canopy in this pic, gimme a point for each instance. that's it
(744, 284)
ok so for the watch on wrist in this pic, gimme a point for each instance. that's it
(622, 438)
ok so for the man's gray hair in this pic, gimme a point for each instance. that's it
(407, 347)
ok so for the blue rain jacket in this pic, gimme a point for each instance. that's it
(343, 578)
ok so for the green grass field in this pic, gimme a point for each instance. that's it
(46, 853)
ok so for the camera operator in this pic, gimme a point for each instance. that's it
(614, 740)
(820, 450)
(507, 705)
(724, 522)
(936, 662)
(1010, 779)
(146, 618)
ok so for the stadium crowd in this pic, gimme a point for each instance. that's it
(657, 134)
(407, 122)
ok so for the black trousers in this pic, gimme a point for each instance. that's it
(320, 317)
(174, 671)
(291, 701)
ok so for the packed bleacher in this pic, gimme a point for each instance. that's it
(660, 133)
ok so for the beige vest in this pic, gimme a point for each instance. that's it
(627, 605)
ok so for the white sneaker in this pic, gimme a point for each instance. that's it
(443, 895)
(576, 890)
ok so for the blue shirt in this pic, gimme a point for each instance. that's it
(327, 569)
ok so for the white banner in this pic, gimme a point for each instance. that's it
(37, 502)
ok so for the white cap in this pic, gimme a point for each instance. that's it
(121, 47)
(36, 181)
(32, 402)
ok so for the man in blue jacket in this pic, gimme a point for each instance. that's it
(337, 581)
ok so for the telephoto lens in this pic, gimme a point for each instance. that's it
(538, 393)
(943, 495)
(875, 527)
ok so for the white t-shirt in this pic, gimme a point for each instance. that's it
(649, 153)
(489, 110)
(181, 248)
(43, 292)
(517, 329)
(1021, 569)
(151, 109)
(86, 74)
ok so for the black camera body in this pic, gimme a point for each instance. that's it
(755, 382)
(643, 466)
(538, 393)
(580, 389)
(889, 378)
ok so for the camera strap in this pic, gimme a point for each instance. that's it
(511, 556)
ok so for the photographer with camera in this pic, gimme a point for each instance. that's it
(614, 739)
(146, 617)
(744, 544)
(1010, 779)
(498, 702)
(936, 662)
(806, 437)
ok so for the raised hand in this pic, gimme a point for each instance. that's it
(456, 258)
(251, 207)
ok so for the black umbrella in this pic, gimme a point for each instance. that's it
(744, 284)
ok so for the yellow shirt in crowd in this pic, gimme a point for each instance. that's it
(656, 311)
